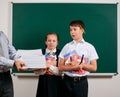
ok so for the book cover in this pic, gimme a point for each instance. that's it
(73, 56)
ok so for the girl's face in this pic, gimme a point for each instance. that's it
(51, 42)
(76, 33)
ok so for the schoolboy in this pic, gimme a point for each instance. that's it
(77, 68)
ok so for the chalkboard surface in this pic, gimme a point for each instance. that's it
(31, 22)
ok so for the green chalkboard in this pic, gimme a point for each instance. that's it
(31, 22)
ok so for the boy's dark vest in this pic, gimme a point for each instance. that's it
(57, 53)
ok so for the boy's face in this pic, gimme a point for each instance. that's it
(76, 32)
(51, 42)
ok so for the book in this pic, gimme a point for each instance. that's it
(33, 59)
(73, 56)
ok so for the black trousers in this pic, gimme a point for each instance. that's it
(6, 85)
(75, 87)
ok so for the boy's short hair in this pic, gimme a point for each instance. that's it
(77, 23)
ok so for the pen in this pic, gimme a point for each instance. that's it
(81, 59)
(70, 58)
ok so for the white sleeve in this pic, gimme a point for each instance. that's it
(93, 54)
(63, 51)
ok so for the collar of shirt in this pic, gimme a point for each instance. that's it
(82, 41)
(50, 51)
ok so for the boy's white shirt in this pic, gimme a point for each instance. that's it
(81, 48)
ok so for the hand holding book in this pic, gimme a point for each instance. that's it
(73, 59)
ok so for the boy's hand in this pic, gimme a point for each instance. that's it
(73, 63)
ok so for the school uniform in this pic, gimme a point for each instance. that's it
(76, 82)
(49, 84)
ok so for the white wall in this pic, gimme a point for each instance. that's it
(25, 86)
